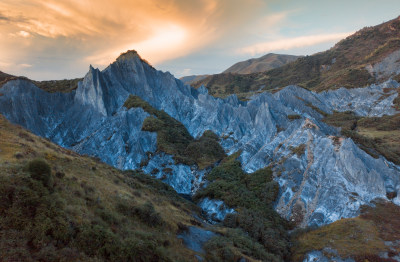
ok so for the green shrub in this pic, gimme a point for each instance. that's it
(252, 195)
(293, 117)
(147, 214)
(299, 150)
(40, 170)
(220, 248)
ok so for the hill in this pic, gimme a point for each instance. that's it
(51, 86)
(261, 64)
(191, 79)
(370, 55)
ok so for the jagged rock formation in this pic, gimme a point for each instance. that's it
(323, 177)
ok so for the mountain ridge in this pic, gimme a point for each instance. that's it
(261, 64)
(358, 60)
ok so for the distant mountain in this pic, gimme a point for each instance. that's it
(370, 55)
(261, 64)
(254, 65)
(187, 80)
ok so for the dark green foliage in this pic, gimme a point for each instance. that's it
(294, 117)
(173, 138)
(35, 225)
(64, 86)
(299, 150)
(98, 241)
(252, 195)
(206, 150)
(229, 181)
(219, 248)
(40, 170)
(147, 214)
(317, 109)
(30, 209)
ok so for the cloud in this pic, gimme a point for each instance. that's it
(62, 37)
(23, 34)
(290, 43)
(25, 65)
(159, 30)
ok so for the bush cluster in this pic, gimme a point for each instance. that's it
(253, 196)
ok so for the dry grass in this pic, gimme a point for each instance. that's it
(92, 191)
(375, 135)
(358, 238)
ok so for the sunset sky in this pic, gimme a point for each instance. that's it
(57, 39)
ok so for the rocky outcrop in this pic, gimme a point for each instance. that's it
(323, 177)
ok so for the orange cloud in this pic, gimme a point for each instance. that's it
(159, 29)
(289, 43)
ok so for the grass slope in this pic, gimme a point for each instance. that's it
(375, 135)
(52, 86)
(361, 238)
(341, 66)
(67, 207)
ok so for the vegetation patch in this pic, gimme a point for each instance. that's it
(64, 86)
(293, 117)
(174, 139)
(252, 196)
(375, 135)
(299, 150)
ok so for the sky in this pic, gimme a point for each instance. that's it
(59, 39)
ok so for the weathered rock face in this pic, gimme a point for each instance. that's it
(323, 177)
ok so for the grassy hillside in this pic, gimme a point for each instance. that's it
(56, 205)
(375, 135)
(261, 64)
(52, 86)
(342, 65)
(363, 238)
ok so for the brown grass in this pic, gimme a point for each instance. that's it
(360, 238)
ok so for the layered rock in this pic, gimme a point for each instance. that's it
(323, 176)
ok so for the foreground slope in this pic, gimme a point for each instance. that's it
(76, 208)
(370, 55)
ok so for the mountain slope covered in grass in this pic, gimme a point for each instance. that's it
(261, 64)
(370, 55)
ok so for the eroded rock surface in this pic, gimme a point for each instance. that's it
(323, 177)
